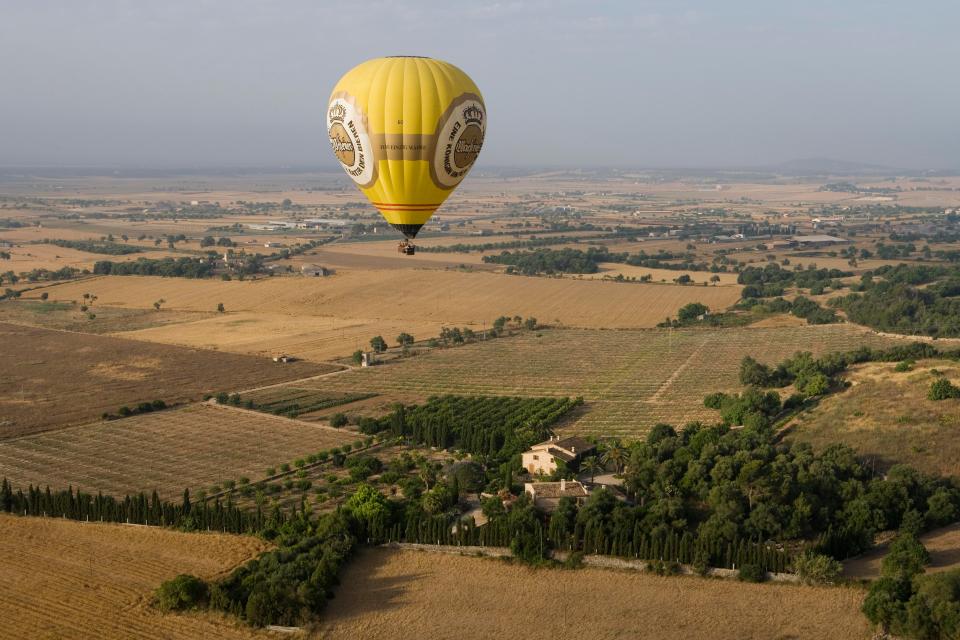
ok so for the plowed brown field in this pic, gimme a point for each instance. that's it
(53, 378)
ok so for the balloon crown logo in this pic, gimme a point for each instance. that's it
(473, 115)
(338, 113)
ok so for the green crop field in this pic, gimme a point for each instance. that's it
(630, 379)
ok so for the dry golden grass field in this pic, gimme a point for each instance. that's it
(316, 338)
(57, 378)
(410, 594)
(194, 447)
(450, 297)
(65, 579)
(886, 416)
(630, 379)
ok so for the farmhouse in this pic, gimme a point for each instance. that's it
(546, 495)
(542, 458)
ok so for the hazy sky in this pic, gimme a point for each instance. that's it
(672, 83)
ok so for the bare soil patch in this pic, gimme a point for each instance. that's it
(56, 378)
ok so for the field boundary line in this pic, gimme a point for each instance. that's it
(345, 369)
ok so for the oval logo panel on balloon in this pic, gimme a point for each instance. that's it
(459, 134)
(347, 129)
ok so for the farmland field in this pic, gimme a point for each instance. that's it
(630, 379)
(315, 338)
(64, 579)
(385, 593)
(411, 296)
(885, 415)
(194, 447)
(56, 378)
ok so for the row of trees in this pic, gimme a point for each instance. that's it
(135, 509)
(93, 246)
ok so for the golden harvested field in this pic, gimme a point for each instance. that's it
(630, 379)
(57, 378)
(193, 447)
(316, 338)
(388, 593)
(450, 297)
(943, 545)
(886, 416)
(65, 579)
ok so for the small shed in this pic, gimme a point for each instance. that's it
(315, 270)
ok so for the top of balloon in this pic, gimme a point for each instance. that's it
(407, 130)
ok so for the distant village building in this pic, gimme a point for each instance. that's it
(779, 244)
(818, 241)
(315, 270)
(542, 458)
(546, 495)
(367, 359)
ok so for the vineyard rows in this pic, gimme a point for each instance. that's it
(630, 380)
(195, 447)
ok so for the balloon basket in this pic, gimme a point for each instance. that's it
(407, 248)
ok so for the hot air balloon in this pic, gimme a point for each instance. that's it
(406, 130)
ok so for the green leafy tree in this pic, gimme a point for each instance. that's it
(378, 344)
(182, 593)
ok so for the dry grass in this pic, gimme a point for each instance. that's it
(886, 416)
(316, 338)
(194, 447)
(387, 594)
(450, 297)
(64, 579)
(630, 379)
(56, 378)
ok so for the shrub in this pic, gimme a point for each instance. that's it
(181, 593)
(338, 420)
(940, 389)
(751, 573)
(574, 560)
(816, 568)
(903, 366)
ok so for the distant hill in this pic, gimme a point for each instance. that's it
(830, 166)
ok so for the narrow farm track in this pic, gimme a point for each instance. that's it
(677, 373)
(65, 579)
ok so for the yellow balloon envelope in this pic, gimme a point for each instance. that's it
(406, 130)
